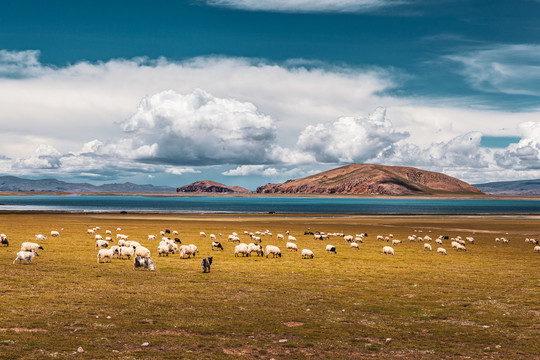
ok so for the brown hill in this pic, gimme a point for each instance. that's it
(373, 179)
(207, 186)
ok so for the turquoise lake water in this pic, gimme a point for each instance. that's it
(94, 203)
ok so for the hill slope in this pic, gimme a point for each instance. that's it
(520, 187)
(13, 183)
(373, 179)
(207, 186)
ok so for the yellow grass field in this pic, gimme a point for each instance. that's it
(480, 304)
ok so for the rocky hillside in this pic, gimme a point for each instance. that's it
(373, 179)
(207, 186)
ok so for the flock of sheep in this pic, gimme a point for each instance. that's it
(127, 249)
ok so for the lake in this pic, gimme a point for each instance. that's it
(226, 204)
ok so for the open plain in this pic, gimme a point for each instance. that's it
(483, 303)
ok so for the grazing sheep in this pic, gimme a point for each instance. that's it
(257, 239)
(100, 244)
(202, 234)
(109, 239)
(163, 249)
(152, 237)
(26, 256)
(256, 248)
(142, 251)
(438, 241)
(291, 238)
(177, 240)
(537, 249)
(175, 232)
(205, 264)
(216, 245)
(348, 238)
(125, 252)
(331, 248)
(4, 239)
(54, 233)
(461, 247)
(40, 237)
(98, 237)
(212, 237)
(441, 251)
(143, 262)
(116, 250)
(396, 242)
(122, 242)
(133, 244)
(108, 232)
(29, 246)
(90, 231)
(292, 246)
(354, 245)
(388, 250)
(427, 247)
(307, 254)
(106, 254)
(455, 244)
(118, 229)
(187, 250)
(274, 250)
(380, 237)
(427, 238)
(241, 249)
(470, 239)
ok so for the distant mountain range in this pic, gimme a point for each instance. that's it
(13, 183)
(519, 187)
(373, 179)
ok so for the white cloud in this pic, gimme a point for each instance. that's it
(43, 157)
(350, 139)
(508, 69)
(307, 6)
(15, 64)
(181, 171)
(199, 129)
(524, 155)
(246, 170)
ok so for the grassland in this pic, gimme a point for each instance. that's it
(483, 303)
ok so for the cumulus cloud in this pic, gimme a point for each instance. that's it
(508, 69)
(14, 64)
(307, 6)
(350, 139)
(199, 129)
(246, 170)
(525, 155)
(181, 171)
(43, 157)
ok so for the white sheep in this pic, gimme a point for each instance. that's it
(90, 231)
(163, 249)
(40, 237)
(30, 246)
(461, 247)
(427, 238)
(108, 232)
(100, 244)
(438, 241)
(142, 251)
(427, 247)
(54, 233)
(152, 237)
(188, 250)
(292, 246)
(354, 245)
(26, 256)
(118, 229)
(202, 234)
(98, 237)
(125, 252)
(241, 249)
(537, 248)
(388, 250)
(256, 248)
(104, 254)
(213, 237)
(380, 237)
(470, 239)
(280, 237)
(4, 239)
(274, 250)
(175, 232)
(307, 254)
(331, 248)
(455, 244)
(396, 242)
(348, 238)
(291, 238)
(441, 251)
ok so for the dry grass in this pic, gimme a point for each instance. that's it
(483, 303)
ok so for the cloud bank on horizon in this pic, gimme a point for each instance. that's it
(246, 130)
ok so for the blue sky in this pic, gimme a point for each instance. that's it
(247, 92)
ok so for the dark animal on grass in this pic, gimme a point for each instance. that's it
(216, 245)
(177, 240)
(144, 262)
(4, 239)
(205, 264)
(167, 231)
